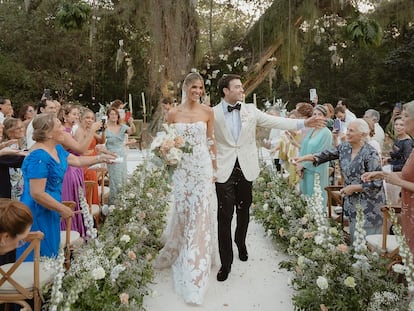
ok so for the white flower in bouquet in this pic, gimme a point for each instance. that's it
(174, 156)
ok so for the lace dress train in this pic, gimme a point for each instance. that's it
(190, 247)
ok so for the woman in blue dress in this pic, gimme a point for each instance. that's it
(43, 171)
(316, 140)
(356, 157)
(115, 142)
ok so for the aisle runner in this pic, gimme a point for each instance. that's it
(257, 284)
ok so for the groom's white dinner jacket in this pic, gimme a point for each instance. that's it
(244, 149)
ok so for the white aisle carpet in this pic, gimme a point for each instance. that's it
(257, 284)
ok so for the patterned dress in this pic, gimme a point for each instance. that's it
(372, 196)
(407, 207)
(190, 245)
(115, 142)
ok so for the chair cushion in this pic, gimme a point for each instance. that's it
(375, 241)
(96, 209)
(74, 235)
(105, 191)
(24, 276)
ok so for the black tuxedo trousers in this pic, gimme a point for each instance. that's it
(235, 193)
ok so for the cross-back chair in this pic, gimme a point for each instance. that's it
(94, 209)
(385, 244)
(69, 237)
(21, 281)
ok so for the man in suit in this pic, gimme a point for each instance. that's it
(238, 164)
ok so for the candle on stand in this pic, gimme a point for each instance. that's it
(254, 99)
(144, 109)
(130, 103)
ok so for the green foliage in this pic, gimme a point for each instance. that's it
(364, 31)
(73, 16)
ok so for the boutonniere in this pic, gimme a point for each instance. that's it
(244, 116)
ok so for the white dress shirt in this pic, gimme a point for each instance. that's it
(233, 120)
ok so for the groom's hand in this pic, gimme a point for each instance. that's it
(315, 121)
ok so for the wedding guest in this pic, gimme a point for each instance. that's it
(6, 108)
(316, 140)
(389, 129)
(45, 106)
(379, 134)
(273, 142)
(238, 165)
(373, 142)
(73, 178)
(331, 115)
(43, 172)
(115, 142)
(403, 179)
(15, 222)
(87, 119)
(26, 114)
(190, 244)
(356, 157)
(402, 147)
(14, 130)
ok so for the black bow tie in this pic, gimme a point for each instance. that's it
(231, 108)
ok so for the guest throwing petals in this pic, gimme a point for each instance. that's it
(43, 171)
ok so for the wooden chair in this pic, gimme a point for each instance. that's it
(385, 244)
(94, 209)
(103, 189)
(138, 133)
(22, 281)
(334, 199)
(68, 237)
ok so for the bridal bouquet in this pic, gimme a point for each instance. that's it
(170, 147)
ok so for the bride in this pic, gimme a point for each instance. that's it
(191, 243)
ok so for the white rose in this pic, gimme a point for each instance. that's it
(156, 143)
(174, 156)
(125, 238)
(288, 209)
(322, 282)
(318, 239)
(98, 273)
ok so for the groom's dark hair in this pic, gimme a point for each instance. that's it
(225, 81)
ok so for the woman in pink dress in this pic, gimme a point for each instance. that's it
(73, 179)
(404, 179)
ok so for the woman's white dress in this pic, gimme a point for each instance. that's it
(191, 242)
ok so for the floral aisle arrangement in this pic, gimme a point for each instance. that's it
(112, 271)
(328, 274)
(170, 147)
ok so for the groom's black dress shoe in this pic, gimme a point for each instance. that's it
(243, 255)
(223, 273)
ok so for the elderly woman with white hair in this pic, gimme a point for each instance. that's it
(356, 157)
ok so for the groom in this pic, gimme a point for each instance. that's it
(238, 164)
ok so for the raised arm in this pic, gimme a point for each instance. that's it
(81, 146)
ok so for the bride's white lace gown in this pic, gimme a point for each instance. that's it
(191, 242)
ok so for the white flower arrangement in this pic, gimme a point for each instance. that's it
(115, 268)
(323, 265)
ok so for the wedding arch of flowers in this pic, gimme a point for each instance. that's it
(328, 274)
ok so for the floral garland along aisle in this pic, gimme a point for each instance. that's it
(112, 270)
(327, 274)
